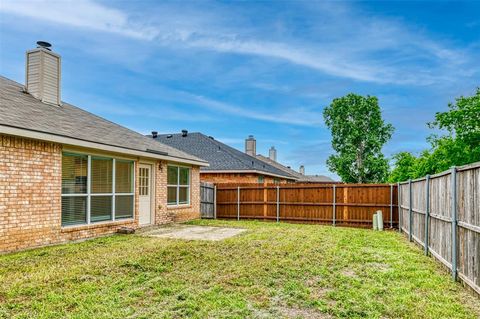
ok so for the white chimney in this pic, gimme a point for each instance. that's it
(302, 169)
(272, 154)
(43, 74)
(251, 146)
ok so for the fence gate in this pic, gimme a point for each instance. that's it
(207, 200)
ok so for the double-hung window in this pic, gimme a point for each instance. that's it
(96, 189)
(178, 187)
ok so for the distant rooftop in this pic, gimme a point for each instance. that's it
(220, 156)
(300, 177)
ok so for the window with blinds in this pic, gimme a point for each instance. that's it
(96, 189)
(178, 185)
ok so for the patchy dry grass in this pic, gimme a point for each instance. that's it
(271, 271)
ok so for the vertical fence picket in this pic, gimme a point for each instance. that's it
(454, 221)
(238, 203)
(215, 202)
(410, 235)
(391, 205)
(427, 212)
(334, 204)
(399, 199)
(278, 204)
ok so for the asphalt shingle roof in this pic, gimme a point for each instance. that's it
(221, 157)
(300, 177)
(21, 110)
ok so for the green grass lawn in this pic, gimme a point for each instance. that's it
(271, 271)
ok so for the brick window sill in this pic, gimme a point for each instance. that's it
(67, 229)
(172, 207)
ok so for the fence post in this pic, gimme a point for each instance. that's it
(391, 205)
(214, 201)
(410, 235)
(238, 203)
(454, 222)
(427, 212)
(278, 204)
(399, 208)
(334, 203)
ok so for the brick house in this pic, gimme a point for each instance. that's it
(66, 174)
(227, 164)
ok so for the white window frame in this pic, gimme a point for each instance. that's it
(89, 193)
(178, 186)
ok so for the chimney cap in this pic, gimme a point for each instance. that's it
(250, 137)
(154, 134)
(44, 45)
(184, 133)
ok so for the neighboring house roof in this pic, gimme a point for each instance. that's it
(23, 115)
(300, 177)
(221, 157)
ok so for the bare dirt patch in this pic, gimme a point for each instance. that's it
(193, 232)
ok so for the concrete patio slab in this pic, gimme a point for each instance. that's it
(192, 232)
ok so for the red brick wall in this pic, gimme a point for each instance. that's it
(30, 197)
(165, 213)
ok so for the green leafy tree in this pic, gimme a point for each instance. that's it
(358, 135)
(404, 167)
(460, 146)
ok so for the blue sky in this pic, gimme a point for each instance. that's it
(230, 69)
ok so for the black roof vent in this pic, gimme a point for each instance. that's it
(211, 137)
(169, 136)
(154, 134)
(44, 45)
(184, 133)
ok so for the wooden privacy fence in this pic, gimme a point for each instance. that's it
(337, 204)
(442, 214)
(207, 200)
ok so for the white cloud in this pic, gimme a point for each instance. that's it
(78, 13)
(355, 46)
(293, 115)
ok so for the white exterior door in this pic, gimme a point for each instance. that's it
(145, 194)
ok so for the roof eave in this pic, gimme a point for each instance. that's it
(230, 171)
(61, 139)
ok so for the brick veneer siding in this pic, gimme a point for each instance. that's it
(30, 197)
(221, 178)
(165, 213)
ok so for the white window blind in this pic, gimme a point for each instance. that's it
(96, 189)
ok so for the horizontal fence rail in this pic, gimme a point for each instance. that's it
(336, 204)
(441, 213)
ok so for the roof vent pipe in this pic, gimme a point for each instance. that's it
(154, 134)
(184, 133)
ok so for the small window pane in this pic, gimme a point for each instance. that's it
(74, 174)
(144, 181)
(184, 175)
(100, 208)
(172, 175)
(261, 178)
(101, 175)
(183, 195)
(172, 195)
(74, 210)
(123, 206)
(123, 177)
